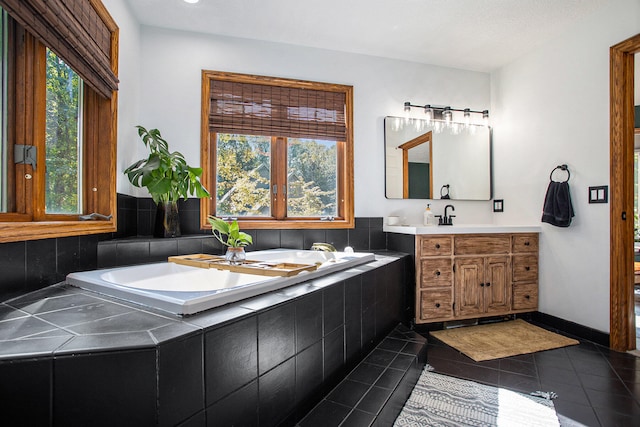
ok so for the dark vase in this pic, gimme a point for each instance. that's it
(167, 220)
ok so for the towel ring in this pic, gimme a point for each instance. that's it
(444, 192)
(561, 167)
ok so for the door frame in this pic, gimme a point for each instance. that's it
(415, 142)
(622, 335)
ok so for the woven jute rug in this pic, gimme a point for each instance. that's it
(440, 400)
(504, 339)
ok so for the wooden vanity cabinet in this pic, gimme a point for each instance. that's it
(467, 276)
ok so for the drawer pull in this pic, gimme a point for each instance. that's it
(437, 245)
(482, 285)
(526, 243)
(437, 305)
(488, 284)
(527, 268)
(437, 273)
(527, 297)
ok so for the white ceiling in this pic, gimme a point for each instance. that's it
(479, 35)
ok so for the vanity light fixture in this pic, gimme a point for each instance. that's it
(446, 113)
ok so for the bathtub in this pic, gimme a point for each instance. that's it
(185, 290)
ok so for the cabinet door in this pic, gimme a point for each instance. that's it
(469, 274)
(497, 285)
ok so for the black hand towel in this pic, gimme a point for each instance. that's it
(557, 209)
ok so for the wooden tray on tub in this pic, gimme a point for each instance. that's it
(262, 268)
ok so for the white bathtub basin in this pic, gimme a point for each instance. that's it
(182, 289)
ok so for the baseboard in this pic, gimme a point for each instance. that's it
(575, 329)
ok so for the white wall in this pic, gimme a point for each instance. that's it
(171, 67)
(552, 107)
(466, 174)
(547, 108)
(129, 149)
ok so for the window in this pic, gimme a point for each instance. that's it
(63, 138)
(57, 121)
(277, 152)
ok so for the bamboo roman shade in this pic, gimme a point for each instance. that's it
(259, 109)
(75, 31)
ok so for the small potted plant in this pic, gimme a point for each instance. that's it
(229, 234)
(167, 177)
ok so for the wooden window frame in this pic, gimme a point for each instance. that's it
(345, 159)
(26, 103)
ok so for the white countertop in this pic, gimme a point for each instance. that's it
(461, 229)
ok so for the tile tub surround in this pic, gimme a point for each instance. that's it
(375, 391)
(366, 237)
(136, 217)
(72, 357)
(188, 289)
(35, 264)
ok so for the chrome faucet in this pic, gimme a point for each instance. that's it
(447, 219)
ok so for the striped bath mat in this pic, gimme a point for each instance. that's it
(440, 400)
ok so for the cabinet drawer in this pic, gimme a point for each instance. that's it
(525, 296)
(436, 272)
(525, 243)
(525, 268)
(436, 304)
(479, 245)
(434, 246)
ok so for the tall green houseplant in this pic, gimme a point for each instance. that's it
(167, 177)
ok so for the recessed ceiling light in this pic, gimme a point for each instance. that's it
(191, 1)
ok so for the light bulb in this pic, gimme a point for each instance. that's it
(428, 112)
(485, 117)
(447, 115)
(191, 1)
(467, 117)
(407, 111)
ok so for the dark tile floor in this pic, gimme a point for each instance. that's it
(595, 386)
(374, 392)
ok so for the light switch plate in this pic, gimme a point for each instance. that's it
(599, 194)
(498, 205)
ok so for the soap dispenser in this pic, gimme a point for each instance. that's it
(429, 219)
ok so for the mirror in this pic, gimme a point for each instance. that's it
(431, 160)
